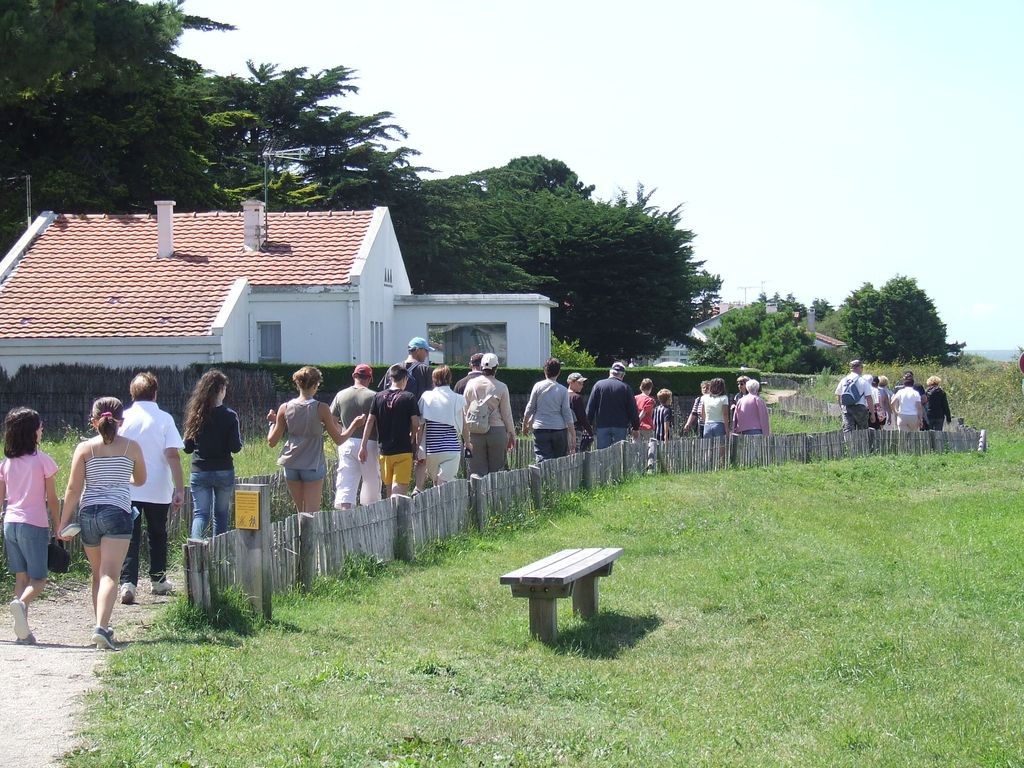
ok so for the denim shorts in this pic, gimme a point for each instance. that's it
(305, 475)
(25, 545)
(104, 520)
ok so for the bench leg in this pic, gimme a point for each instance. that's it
(584, 596)
(544, 619)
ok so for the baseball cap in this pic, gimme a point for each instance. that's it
(489, 361)
(577, 377)
(618, 368)
(855, 363)
(363, 370)
(420, 343)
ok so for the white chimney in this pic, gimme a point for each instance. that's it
(253, 220)
(811, 319)
(164, 228)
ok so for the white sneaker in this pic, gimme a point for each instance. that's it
(162, 587)
(127, 594)
(20, 615)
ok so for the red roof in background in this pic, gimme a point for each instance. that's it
(98, 275)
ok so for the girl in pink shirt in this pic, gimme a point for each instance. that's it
(27, 483)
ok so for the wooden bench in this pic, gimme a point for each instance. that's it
(571, 572)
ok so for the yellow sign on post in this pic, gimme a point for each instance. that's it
(247, 510)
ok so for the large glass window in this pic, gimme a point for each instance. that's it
(457, 342)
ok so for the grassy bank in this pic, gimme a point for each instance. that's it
(860, 612)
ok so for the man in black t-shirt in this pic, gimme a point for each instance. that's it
(395, 415)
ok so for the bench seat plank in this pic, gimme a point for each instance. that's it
(513, 577)
(564, 567)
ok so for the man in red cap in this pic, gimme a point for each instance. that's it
(349, 405)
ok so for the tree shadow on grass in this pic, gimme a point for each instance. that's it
(606, 635)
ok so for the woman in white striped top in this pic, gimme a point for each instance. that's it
(442, 411)
(103, 470)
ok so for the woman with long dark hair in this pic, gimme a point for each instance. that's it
(211, 436)
(103, 469)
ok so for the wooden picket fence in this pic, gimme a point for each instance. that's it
(305, 547)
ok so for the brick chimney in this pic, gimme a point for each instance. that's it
(164, 228)
(253, 217)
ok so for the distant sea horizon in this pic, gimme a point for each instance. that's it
(999, 355)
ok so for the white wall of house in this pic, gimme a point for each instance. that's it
(527, 318)
(379, 274)
(316, 323)
(232, 323)
(127, 352)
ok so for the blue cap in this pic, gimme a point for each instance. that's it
(420, 343)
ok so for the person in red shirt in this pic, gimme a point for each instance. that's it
(645, 405)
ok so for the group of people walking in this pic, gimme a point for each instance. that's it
(867, 402)
(413, 426)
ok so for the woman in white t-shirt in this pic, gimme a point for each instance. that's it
(906, 403)
(715, 407)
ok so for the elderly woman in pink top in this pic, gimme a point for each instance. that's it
(751, 412)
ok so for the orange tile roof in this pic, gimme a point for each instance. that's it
(98, 275)
(829, 340)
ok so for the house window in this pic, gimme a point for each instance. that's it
(376, 341)
(269, 335)
(457, 342)
(387, 276)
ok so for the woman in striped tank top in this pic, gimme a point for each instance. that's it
(103, 469)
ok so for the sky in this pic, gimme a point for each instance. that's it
(813, 146)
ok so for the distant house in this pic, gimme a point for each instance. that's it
(680, 353)
(821, 341)
(250, 286)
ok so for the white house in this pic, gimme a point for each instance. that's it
(250, 286)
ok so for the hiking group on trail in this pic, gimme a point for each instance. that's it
(867, 403)
(389, 442)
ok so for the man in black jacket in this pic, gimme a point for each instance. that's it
(612, 408)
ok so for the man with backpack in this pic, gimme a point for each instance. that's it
(854, 396)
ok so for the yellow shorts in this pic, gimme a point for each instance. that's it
(396, 469)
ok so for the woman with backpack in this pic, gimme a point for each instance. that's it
(489, 418)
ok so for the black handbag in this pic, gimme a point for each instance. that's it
(58, 559)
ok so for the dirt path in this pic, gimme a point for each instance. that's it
(771, 396)
(49, 679)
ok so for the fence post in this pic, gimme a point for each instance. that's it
(405, 545)
(252, 521)
(196, 554)
(536, 491)
(308, 529)
(478, 502)
(587, 474)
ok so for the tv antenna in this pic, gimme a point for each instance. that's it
(293, 155)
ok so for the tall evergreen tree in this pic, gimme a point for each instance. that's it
(894, 323)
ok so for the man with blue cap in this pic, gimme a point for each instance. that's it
(417, 365)
(419, 381)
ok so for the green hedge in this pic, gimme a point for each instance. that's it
(683, 380)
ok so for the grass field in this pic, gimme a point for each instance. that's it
(863, 612)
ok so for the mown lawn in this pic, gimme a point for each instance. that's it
(863, 612)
